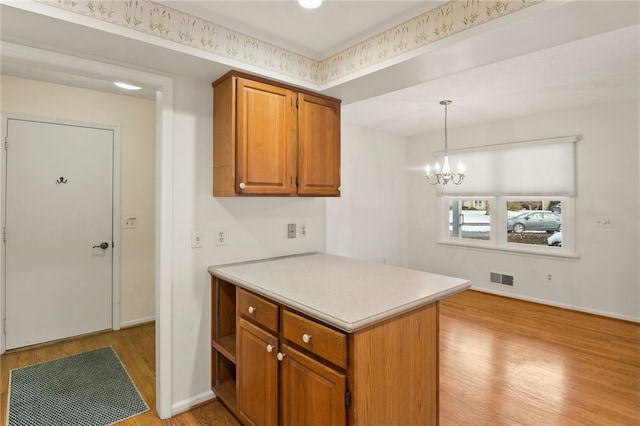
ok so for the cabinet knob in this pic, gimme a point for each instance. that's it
(339, 189)
(306, 338)
(280, 356)
(242, 185)
(251, 309)
(269, 348)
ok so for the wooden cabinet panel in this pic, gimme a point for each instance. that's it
(320, 340)
(318, 146)
(258, 309)
(312, 393)
(395, 364)
(257, 376)
(266, 133)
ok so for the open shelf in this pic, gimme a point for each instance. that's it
(226, 346)
(226, 392)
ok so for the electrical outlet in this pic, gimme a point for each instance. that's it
(197, 239)
(291, 230)
(302, 230)
(221, 237)
(130, 223)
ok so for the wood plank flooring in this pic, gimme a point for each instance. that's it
(510, 362)
(502, 362)
(136, 348)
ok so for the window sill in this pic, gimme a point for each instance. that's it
(513, 249)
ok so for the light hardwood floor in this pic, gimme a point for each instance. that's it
(502, 362)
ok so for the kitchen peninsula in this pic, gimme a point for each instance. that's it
(321, 339)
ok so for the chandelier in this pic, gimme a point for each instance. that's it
(444, 175)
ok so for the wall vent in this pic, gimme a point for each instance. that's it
(501, 278)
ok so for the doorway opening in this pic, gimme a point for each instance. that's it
(163, 87)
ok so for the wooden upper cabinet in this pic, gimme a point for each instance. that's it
(318, 146)
(266, 132)
(273, 139)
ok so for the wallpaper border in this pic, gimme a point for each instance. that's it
(158, 20)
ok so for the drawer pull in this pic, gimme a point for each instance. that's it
(280, 356)
(251, 309)
(269, 348)
(306, 338)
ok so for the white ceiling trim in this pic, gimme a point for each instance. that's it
(372, 54)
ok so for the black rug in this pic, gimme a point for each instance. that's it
(87, 389)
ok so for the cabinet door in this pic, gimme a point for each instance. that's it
(318, 146)
(312, 393)
(266, 129)
(257, 376)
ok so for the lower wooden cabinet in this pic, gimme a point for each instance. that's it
(257, 378)
(312, 393)
(276, 381)
(274, 366)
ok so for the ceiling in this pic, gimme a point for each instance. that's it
(550, 57)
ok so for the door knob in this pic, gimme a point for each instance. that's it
(103, 246)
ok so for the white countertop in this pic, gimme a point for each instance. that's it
(346, 293)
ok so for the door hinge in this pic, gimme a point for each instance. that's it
(4, 326)
(347, 398)
(4, 234)
(6, 143)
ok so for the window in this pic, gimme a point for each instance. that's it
(509, 202)
(469, 219)
(514, 223)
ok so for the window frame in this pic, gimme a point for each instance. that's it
(498, 235)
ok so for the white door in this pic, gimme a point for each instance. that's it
(59, 211)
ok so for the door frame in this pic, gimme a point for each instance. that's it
(164, 192)
(115, 209)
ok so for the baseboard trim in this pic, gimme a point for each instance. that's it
(189, 403)
(558, 305)
(138, 321)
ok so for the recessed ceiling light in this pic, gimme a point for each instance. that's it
(126, 86)
(309, 4)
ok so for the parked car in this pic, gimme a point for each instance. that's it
(555, 239)
(538, 220)
(557, 208)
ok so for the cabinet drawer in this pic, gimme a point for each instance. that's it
(316, 338)
(258, 309)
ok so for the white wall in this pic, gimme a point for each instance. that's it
(368, 221)
(605, 278)
(256, 228)
(136, 119)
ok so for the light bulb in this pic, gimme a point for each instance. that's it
(437, 167)
(460, 167)
(428, 169)
(446, 168)
(310, 4)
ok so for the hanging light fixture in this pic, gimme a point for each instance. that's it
(444, 175)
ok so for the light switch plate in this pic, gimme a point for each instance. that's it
(130, 223)
(197, 239)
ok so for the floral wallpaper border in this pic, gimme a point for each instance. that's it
(179, 27)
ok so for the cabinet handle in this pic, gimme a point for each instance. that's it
(242, 185)
(252, 309)
(269, 348)
(280, 356)
(306, 338)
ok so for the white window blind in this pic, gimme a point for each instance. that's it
(545, 167)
